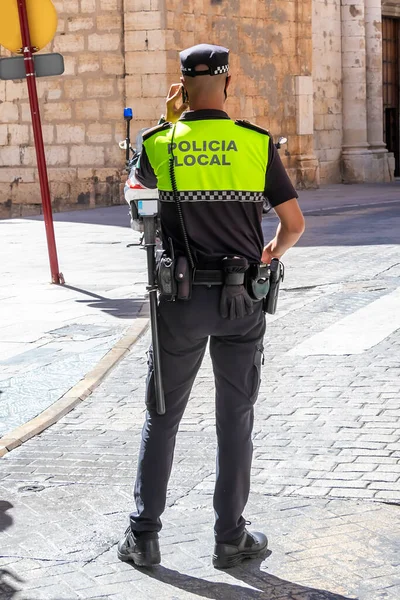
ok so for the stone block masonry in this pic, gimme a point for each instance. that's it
(126, 53)
(270, 45)
(82, 116)
(309, 71)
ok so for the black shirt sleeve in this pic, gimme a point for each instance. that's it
(144, 171)
(278, 187)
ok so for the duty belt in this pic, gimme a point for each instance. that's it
(208, 277)
(219, 277)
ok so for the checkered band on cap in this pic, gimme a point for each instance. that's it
(223, 69)
(213, 196)
(217, 71)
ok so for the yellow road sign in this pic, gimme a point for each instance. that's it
(42, 19)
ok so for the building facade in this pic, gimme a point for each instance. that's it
(348, 81)
(323, 73)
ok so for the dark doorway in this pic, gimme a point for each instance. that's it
(391, 90)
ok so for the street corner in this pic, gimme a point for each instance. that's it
(310, 108)
(52, 407)
(53, 336)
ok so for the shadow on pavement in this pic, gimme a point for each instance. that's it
(267, 587)
(7, 577)
(7, 581)
(6, 520)
(121, 308)
(116, 216)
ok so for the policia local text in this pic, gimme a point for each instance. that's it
(214, 146)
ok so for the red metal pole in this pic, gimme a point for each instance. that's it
(56, 276)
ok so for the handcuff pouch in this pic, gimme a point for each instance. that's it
(183, 278)
(258, 281)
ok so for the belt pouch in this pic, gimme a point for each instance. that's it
(183, 278)
(165, 278)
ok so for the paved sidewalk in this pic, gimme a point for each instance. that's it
(52, 336)
(326, 471)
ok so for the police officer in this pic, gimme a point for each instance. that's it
(219, 172)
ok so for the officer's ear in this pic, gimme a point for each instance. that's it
(227, 83)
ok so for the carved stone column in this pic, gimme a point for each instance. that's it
(356, 155)
(373, 37)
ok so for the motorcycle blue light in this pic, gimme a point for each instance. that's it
(128, 114)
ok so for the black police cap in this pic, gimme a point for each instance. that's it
(215, 57)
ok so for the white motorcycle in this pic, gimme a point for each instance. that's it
(134, 191)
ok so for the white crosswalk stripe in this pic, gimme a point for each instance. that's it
(356, 332)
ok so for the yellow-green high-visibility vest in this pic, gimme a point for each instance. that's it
(214, 160)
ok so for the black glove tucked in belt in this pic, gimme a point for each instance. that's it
(235, 301)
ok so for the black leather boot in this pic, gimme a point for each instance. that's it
(250, 545)
(142, 549)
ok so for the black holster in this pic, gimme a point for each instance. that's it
(276, 276)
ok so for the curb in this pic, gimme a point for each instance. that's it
(78, 393)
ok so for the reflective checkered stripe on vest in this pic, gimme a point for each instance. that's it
(215, 160)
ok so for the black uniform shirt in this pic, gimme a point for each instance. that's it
(219, 229)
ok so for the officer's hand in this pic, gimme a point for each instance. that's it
(175, 106)
(268, 253)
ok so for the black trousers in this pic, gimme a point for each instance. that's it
(236, 352)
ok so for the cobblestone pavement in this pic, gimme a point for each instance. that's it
(326, 470)
(51, 336)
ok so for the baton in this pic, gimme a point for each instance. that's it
(149, 224)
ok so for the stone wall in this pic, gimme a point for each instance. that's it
(126, 53)
(147, 82)
(293, 65)
(81, 115)
(270, 43)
